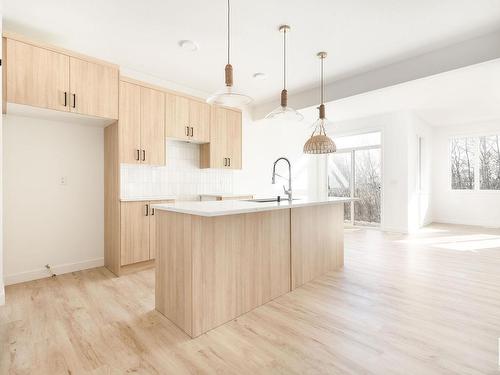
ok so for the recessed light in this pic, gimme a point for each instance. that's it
(188, 45)
(260, 76)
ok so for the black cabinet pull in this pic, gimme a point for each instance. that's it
(152, 211)
(229, 162)
(138, 155)
(143, 155)
(74, 100)
(187, 131)
(192, 131)
(65, 99)
(225, 162)
(147, 209)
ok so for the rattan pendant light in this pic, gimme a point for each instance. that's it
(228, 96)
(284, 112)
(320, 143)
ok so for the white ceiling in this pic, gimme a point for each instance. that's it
(359, 35)
(460, 96)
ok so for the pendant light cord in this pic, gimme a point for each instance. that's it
(322, 58)
(228, 31)
(284, 59)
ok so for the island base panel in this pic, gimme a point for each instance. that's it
(210, 270)
(317, 242)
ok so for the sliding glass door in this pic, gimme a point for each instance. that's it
(356, 172)
(340, 178)
(367, 186)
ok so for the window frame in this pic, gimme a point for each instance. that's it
(477, 165)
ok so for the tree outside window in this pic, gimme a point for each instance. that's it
(462, 163)
(489, 166)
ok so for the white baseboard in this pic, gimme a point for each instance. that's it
(57, 269)
(2, 295)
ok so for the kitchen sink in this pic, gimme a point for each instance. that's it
(266, 200)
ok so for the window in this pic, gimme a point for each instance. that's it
(475, 163)
(462, 163)
(489, 167)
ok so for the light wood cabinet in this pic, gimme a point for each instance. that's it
(94, 89)
(152, 126)
(134, 232)
(37, 77)
(187, 119)
(130, 123)
(45, 77)
(138, 231)
(142, 125)
(224, 149)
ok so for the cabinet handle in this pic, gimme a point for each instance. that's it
(225, 162)
(143, 155)
(74, 100)
(152, 211)
(138, 155)
(147, 209)
(192, 131)
(65, 99)
(187, 131)
(229, 164)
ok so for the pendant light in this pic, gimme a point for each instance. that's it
(284, 112)
(228, 96)
(320, 143)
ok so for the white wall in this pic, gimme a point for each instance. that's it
(419, 194)
(46, 222)
(461, 207)
(265, 141)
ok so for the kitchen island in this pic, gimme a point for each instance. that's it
(217, 260)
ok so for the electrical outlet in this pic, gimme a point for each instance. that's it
(63, 180)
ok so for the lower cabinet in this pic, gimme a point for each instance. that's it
(137, 231)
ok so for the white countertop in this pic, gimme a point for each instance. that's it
(231, 207)
(142, 199)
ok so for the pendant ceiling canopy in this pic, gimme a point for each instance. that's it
(284, 112)
(229, 96)
(319, 142)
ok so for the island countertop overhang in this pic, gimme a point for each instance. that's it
(222, 208)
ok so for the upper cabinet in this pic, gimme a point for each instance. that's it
(46, 78)
(37, 77)
(94, 88)
(224, 149)
(187, 119)
(141, 125)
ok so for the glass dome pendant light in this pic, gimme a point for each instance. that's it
(228, 96)
(284, 112)
(320, 143)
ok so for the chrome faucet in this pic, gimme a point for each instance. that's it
(289, 191)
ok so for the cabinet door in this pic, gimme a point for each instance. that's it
(152, 126)
(152, 230)
(134, 229)
(94, 89)
(218, 138)
(129, 123)
(199, 121)
(177, 116)
(37, 77)
(233, 138)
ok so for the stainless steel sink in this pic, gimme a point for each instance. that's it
(267, 200)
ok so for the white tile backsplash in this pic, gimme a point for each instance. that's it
(181, 177)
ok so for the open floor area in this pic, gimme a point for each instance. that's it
(426, 303)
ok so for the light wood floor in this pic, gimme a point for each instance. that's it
(424, 304)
